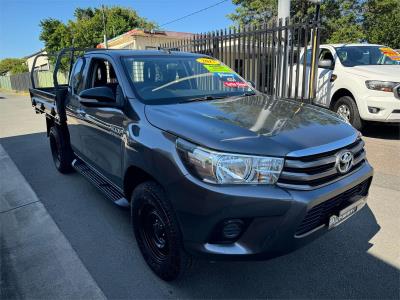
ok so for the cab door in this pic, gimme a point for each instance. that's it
(324, 79)
(103, 129)
(73, 106)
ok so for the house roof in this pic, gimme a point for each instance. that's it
(129, 53)
(148, 33)
(35, 54)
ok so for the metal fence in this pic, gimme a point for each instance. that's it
(267, 54)
(22, 82)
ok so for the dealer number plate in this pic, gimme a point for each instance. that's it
(345, 213)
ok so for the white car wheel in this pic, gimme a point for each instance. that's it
(344, 111)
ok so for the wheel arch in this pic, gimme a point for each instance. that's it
(134, 176)
(63, 128)
(340, 93)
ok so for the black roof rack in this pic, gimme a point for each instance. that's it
(72, 51)
(58, 56)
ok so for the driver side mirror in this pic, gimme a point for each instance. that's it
(251, 83)
(98, 96)
(326, 64)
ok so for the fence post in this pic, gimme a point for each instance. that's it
(305, 45)
(314, 58)
(268, 54)
(285, 59)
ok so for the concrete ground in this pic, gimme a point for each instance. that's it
(36, 259)
(359, 259)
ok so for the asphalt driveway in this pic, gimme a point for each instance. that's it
(359, 259)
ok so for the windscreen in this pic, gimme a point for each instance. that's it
(173, 79)
(351, 56)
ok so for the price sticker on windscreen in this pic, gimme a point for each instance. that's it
(389, 52)
(218, 68)
(208, 61)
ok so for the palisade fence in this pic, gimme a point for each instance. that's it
(22, 82)
(267, 55)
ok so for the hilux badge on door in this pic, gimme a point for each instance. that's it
(344, 161)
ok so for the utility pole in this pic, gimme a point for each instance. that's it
(283, 9)
(104, 28)
(283, 14)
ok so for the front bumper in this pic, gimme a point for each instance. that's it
(389, 108)
(275, 214)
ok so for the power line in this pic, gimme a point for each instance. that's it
(193, 13)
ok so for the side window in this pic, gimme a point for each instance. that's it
(76, 76)
(102, 74)
(326, 54)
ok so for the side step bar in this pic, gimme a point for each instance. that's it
(108, 189)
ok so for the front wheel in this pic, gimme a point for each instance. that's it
(347, 109)
(60, 150)
(157, 232)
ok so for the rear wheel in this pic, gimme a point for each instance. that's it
(347, 108)
(60, 150)
(157, 232)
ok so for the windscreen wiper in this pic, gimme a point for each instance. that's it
(247, 94)
(205, 98)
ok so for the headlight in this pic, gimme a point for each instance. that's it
(384, 86)
(223, 168)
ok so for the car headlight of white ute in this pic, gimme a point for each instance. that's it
(383, 86)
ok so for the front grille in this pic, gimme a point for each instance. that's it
(310, 172)
(320, 214)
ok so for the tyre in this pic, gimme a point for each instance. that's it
(157, 232)
(347, 108)
(60, 150)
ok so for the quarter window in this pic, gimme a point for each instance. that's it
(76, 78)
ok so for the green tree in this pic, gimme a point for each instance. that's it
(86, 30)
(253, 11)
(13, 66)
(341, 19)
(382, 22)
(55, 34)
(344, 24)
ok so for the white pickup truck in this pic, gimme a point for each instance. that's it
(361, 82)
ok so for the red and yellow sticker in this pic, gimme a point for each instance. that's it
(389, 52)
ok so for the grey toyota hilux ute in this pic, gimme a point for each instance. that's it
(208, 166)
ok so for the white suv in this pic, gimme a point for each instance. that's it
(359, 82)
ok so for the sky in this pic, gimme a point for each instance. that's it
(19, 19)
